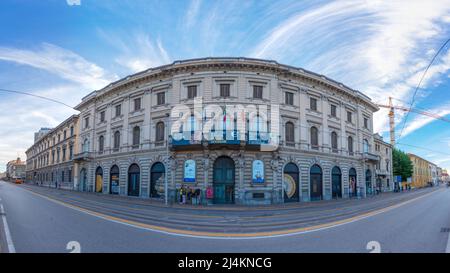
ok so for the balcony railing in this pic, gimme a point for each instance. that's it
(370, 156)
(226, 137)
(83, 156)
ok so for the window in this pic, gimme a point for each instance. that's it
(161, 98)
(102, 116)
(101, 144)
(290, 133)
(224, 90)
(192, 91)
(136, 136)
(257, 92)
(65, 134)
(71, 130)
(366, 123)
(118, 110)
(159, 131)
(116, 140)
(70, 175)
(365, 146)
(334, 142)
(333, 110)
(86, 123)
(70, 151)
(387, 165)
(59, 140)
(62, 176)
(289, 98)
(314, 138)
(64, 154)
(137, 104)
(57, 156)
(86, 145)
(313, 104)
(349, 116)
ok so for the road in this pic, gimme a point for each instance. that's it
(41, 224)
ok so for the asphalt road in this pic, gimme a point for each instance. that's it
(37, 224)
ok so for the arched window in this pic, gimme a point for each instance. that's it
(159, 131)
(350, 145)
(101, 144)
(314, 138)
(290, 133)
(334, 142)
(136, 136)
(116, 140)
(365, 146)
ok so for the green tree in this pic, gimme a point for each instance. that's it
(401, 163)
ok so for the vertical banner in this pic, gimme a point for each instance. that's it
(258, 171)
(189, 171)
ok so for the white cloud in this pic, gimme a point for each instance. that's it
(192, 13)
(139, 52)
(420, 120)
(377, 47)
(61, 62)
(25, 115)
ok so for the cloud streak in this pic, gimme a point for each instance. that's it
(61, 62)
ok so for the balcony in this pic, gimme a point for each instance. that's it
(231, 138)
(371, 157)
(83, 156)
(381, 172)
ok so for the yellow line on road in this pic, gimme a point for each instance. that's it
(206, 234)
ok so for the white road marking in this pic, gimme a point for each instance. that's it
(9, 241)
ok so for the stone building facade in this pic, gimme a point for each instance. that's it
(15, 169)
(318, 145)
(50, 158)
(383, 170)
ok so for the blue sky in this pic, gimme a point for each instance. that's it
(64, 50)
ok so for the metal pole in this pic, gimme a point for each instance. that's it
(166, 186)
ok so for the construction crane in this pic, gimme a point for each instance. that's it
(391, 108)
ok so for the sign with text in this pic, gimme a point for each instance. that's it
(189, 171)
(258, 171)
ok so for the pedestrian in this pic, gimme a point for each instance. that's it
(183, 196)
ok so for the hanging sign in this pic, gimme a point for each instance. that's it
(258, 171)
(189, 171)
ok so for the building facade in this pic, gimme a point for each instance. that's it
(50, 159)
(421, 171)
(236, 130)
(383, 170)
(15, 169)
(434, 173)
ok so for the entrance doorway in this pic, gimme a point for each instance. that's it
(336, 182)
(83, 180)
(352, 182)
(369, 182)
(157, 176)
(223, 180)
(316, 182)
(99, 180)
(133, 180)
(291, 183)
(114, 180)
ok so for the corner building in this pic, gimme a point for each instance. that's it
(128, 145)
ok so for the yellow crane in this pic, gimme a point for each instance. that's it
(391, 114)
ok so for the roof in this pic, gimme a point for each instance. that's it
(225, 60)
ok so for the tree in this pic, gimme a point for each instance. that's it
(401, 163)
